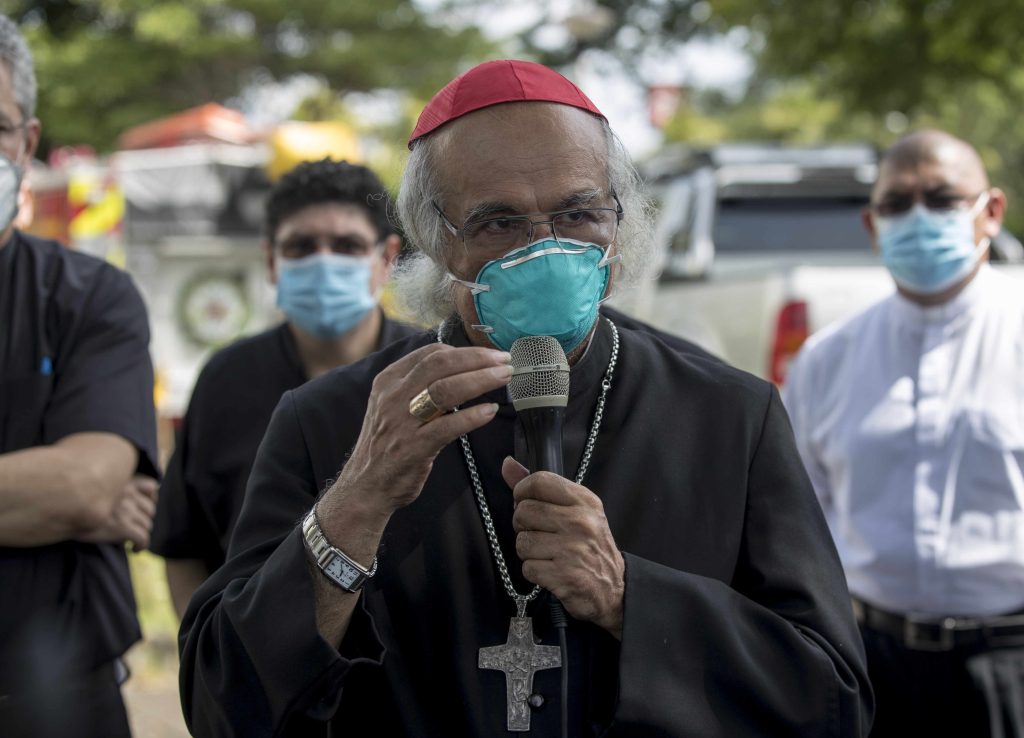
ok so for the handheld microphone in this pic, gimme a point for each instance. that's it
(539, 389)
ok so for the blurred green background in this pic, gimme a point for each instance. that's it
(816, 70)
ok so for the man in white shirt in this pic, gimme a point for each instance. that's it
(910, 420)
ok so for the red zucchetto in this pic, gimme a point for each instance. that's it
(496, 82)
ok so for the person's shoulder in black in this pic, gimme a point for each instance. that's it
(257, 367)
(392, 330)
(272, 359)
(84, 322)
(338, 398)
(675, 342)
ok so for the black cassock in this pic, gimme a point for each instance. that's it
(737, 620)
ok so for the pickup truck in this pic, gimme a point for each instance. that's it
(762, 245)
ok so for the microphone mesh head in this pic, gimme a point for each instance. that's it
(540, 373)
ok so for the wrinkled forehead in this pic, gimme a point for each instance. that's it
(944, 164)
(327, 219)
(518, 146)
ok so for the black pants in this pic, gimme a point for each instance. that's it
(85, 707)
(923, 693)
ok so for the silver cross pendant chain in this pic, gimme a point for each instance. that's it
(520, 657)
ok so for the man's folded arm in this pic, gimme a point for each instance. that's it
(60, 491)
(99, 426)
(774, 652)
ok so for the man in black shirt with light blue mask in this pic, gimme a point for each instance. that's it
(329, 249)
(76, 421)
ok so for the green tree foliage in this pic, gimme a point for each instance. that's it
(625, 28)
(105, 65)
(845, 69)
(791, 112)
(874, 69)
(883, 55)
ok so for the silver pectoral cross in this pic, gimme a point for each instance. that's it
(520, 658)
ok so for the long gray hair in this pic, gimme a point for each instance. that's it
(422, 281)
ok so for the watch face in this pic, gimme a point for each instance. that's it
(342, 572)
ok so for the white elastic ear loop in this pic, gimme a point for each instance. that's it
(985, 242)
(607, 261)
(983, 200)
(980, 249)
(475, 288)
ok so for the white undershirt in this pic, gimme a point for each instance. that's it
(910, 421)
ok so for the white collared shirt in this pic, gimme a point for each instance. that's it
(910, 421)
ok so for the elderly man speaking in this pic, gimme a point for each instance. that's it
(394, 568)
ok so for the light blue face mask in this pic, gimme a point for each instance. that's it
(10, 185)
(927, 252)
(325, 294)
(548, 288)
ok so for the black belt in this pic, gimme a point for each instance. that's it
(943, 634)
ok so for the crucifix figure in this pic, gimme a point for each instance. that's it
(520, 658)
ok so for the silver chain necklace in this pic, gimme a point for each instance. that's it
(522, 600)
(521, 656)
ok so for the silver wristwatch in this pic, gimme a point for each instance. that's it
(342, 570)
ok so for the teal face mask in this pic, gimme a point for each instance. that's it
(548, 288)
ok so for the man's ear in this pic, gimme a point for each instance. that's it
(867, 219)
(269, 260)
(995, 210)
(33, 129)
(392, 248)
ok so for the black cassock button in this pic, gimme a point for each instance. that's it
(535, 701)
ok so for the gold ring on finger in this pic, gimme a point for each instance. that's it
(423, 407)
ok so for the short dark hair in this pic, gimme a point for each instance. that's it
(329, 181)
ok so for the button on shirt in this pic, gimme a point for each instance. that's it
(910, 421)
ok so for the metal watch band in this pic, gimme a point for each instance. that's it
(333, 562)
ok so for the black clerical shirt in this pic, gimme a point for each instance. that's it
(234, 397)
(73, 358)
(736, 616)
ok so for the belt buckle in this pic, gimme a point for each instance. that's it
(913, 629)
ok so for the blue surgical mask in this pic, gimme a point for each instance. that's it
(10, 185)
(325, 295)
(927, 252)
(548, 288)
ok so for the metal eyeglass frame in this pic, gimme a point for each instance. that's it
(460, 233)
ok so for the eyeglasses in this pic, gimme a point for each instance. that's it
(492, 238)
(894, 205)
(301, 245)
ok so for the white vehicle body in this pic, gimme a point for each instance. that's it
(762, 246)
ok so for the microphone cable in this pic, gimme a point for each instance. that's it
(561, 621)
